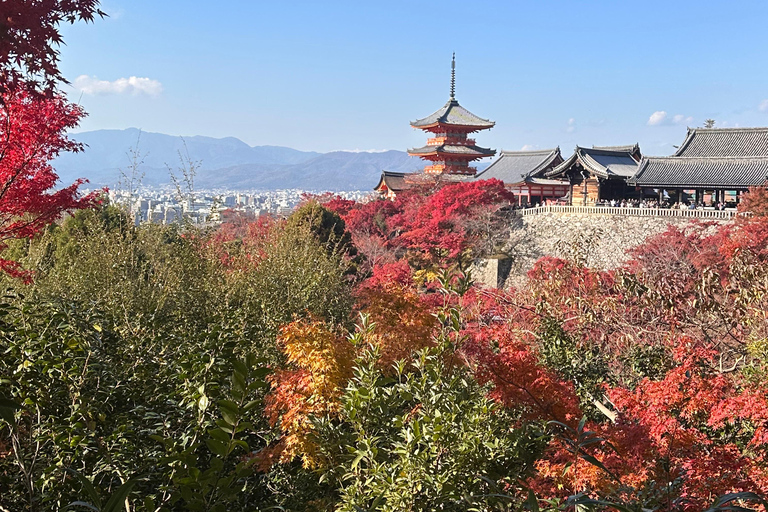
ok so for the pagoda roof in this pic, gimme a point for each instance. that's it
(604, 163)
(724, 142)
(720, 172)
(453, 114)
(452, 149)
(518, 166)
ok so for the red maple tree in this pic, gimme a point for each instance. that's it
(32, 133)
(29, 37)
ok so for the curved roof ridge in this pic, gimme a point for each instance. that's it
(686, 142)
(626, 147)
(607, 149)
(615, 165)
(730, 129)
(707, 158)
(530, 152)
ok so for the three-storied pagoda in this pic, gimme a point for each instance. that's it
(450, 151)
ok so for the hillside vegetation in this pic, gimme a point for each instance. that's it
(342, 359)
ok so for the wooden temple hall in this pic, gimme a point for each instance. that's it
(713, 166)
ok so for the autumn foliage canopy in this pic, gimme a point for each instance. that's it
(663, 360)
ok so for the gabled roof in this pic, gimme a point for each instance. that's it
(399, 181)
(453, 114)
(394, 181)
(516, 166)
(605, 163)
(721, 172)
(451, 149)
(724, 142)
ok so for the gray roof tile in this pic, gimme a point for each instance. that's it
(629, 148)
(455, 115)
(605, 163)
(394, 181)
(517, 166)
(450, 149)
(724, 142)
(723, 172)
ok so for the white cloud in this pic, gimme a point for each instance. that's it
(680, 119)
(528, 147)
(571, 125)
(763, 107)
(657, 118)
(661, 118)
(133, 85)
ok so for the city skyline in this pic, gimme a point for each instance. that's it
(341, 76)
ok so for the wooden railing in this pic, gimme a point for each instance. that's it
(632, 212)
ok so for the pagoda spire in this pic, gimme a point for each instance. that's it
(453, 76)
(449, 150)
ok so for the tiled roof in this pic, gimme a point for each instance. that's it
(517, 166)
(633, 149)
(448, 149)
(737, 172)
(394, 181)
(604, 163)
(453, 114)
(725, 142)
(629, 148)
(399, 181)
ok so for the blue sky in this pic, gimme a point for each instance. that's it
(336, 75)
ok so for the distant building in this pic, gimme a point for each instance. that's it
(713, 165)
(597, 174)
(523, 173)
(391, 183)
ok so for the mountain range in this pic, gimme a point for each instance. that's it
(227, 163)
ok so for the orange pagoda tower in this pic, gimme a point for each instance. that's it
(450, 151)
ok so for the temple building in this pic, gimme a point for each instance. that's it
(449, 151)
(713, 165)
(392, 182)
(523, 173)
(598, 174)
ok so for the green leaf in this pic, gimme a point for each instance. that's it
(357, 459)
(81, 504)
(117, 500)
(88, 487)
(7, 409)
(216, 447)
(532, 503)
(219, 435)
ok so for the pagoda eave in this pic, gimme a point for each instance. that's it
(452, 152)
(435, 127)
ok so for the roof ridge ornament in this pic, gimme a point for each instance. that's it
(453, 76)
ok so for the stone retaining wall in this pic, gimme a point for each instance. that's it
(598, 240)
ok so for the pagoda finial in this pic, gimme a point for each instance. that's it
(453, 76)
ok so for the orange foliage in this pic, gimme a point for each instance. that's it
(403, 321)
(320, 364)
(519, 381)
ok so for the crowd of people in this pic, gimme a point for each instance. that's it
(654, 203)
(639, 203)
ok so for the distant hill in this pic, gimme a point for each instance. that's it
(227, 163)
